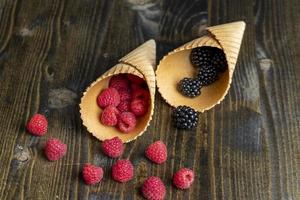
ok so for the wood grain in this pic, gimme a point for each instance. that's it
(248, 147)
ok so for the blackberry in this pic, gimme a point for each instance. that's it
(207, 75)
(184, 117)
(189, 87)
(201, 56)
(219, 60)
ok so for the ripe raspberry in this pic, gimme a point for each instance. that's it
(92, 174)
(125, 94)
(109, 96)
(141, 93)
(122, 171)
(119, 82)
(183, 178)
(124, 106)
(55, 149)
(37, 125)
(157, 152)
(135, 79)
(153, 188)
(139, 107)
(127, 122)
(109, 116)
(134, 87)
(113, 147)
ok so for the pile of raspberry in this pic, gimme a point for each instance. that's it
(126, 99)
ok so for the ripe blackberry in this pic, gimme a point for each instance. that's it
(219, 60)
(189, 87)
(184, 117)
(207, 75)
(201, 56)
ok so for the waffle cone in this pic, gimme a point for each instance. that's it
(176, 65)
(139, 62)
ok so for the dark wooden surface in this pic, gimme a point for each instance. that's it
(246, 148)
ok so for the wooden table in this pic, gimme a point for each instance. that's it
(248, 147)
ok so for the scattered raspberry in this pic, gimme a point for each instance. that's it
(125, 94)
(122, 171)
(37, 125)
(135, 79)
(157, 152)
(127, 122)
(119, 82)
(109, 116)
(183, 178)
(113, 147)
(141, 93)
(92, 174)
(55, 149)
(124, 106)
(153, 188)
(139, 107)
(107, 97)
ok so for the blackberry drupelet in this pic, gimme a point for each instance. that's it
(219, 60)
(184, 117)
(201, 56)
(207, 75)
(189, 87)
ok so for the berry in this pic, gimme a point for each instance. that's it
(113, 147)
(157, 152)
(122, 171)
(185, 117)
(124, 106)
(119, 82)
(207, 75)
(141, 93)
(55, 149)
(107, 97)
(135, 79)
(189, 87)
(125, 94)
(183, 178)
(201, 56)
(109, 116)
(37, 125)
(126, 122)
(219, 60)
(92, 174)
(153, 188)
(139, 107)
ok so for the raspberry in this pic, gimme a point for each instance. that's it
(92, 174)
(124, 106)
(113, 147)
(135, 79)
(55, 149)
(107, 97)
(37, 125)
(157, 152)
(139, 107)
(141, 93)
(119, 82)
(153, 188)
(127, 122)
(109, 116)
(134, 87)
(183, 178)
(125, 94)
(122, 171)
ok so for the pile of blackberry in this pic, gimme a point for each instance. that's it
(210, 62)
(184, 117)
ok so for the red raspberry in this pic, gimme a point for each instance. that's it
(139, 107)
(109, 96)
(109, 116)
(153, 188)
(125, 94)
(92, 174)
(122, 171)
(37, 125)
(113, 147)
(55, 149)
(127, 122)
(134, 87)
(135, 79)
(124, 106)
(119, 82)
(141, 93)
(157, 152)
(183, 178)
